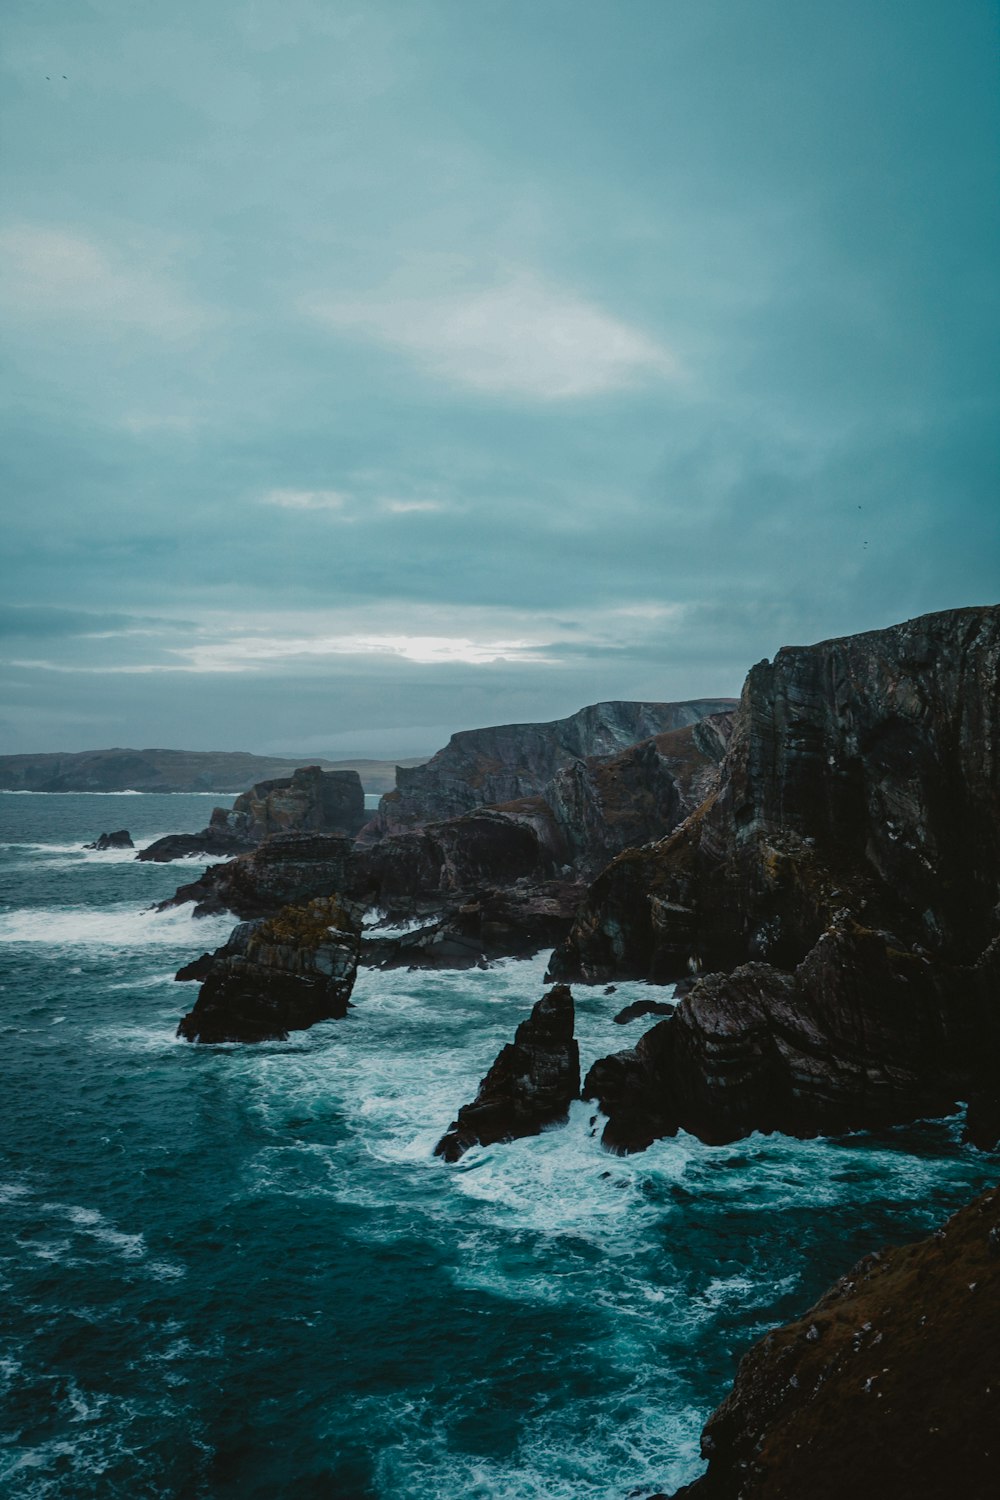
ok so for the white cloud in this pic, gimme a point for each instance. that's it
(519, 337)
(61, 274)
(249, 652)
(305, 499)
(405, 507)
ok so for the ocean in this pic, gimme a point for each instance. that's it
(239, 1271)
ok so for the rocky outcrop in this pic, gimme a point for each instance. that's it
(278, 976)
(889, 1386)
(120, 839)
(531, 1085)
(287, 868)
(851, 852)
(311, 800)
(486, 767)
(490, 924)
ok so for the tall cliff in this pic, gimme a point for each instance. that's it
(483, 767)
(850, 859)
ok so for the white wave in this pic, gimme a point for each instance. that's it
(112, 927)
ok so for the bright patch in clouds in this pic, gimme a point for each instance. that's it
(243, 655)
(305, 499)
(520, 337)
(60, 273)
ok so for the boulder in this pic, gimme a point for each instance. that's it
(277, 976)
(120, 839)
(531, 1085)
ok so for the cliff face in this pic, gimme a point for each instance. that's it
(854, 833)
(889, 1386)
(483, 767)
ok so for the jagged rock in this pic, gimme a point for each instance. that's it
(643, 1008)
(311, 800)
(532, 1083)
(491, 924)
(487, 767)
(120, 839)
(287, 868)
(197, 969)
(888, 1387)
(860, 795)
(277, 976)
(858, 1036)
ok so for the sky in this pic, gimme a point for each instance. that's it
(378, 370)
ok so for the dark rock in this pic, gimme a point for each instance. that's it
(277, 976)
(197, 969)
(887, 1387)
(490, 924)
(501, 764)
(642, 1008)
(847, 868)
(120, 839)
(286, 869)
(532, 1083)
(311, 800)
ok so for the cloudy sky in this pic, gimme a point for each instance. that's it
(378, 369)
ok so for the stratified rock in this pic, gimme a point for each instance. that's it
(532, 1083)
(120, 839)
(287, 868)
(311, 800)
(888, 1387)
(278, 976)
(859, 1036)
(488, 767)
(847, 869)
(491, 924)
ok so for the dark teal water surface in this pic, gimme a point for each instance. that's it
(239, 1272)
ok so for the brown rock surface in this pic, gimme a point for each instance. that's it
(888, 1387)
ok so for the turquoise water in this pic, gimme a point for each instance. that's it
(239, 1271)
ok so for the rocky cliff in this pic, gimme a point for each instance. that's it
(888, 1387)
(851, 856)
(286, 868)
(484, 767)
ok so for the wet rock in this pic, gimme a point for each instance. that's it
(490, 924)
(198, 969)
(642, 1008)
(120, 839)
(888, 1386)
(279, 975)
(532, 1083)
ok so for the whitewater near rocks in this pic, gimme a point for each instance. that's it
(240, 1271)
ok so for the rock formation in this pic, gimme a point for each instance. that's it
(851, 857)
(889, 1386)
(311, 800)
(287, 868)
(532, 1083)
(486, 767)
(492, 923)
(120, 839)
(278, 976)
